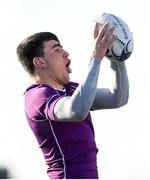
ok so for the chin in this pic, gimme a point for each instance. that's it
(66, 80)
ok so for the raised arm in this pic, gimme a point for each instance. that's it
(104, 98)
(76, 107)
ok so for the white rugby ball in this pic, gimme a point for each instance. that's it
(122, 48)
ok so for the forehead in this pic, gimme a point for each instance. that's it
(50, 44)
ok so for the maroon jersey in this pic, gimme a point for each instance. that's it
(69, 148)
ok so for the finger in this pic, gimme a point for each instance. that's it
(108, 34)
(103, 30)
(96, 30)
(111, 40)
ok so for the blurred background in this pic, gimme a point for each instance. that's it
(122, 135)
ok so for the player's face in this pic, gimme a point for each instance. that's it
(57, 62)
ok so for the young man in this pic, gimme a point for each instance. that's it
(58, 111)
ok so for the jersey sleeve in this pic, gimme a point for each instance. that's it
(39, 103)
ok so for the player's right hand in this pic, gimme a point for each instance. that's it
(103, 38)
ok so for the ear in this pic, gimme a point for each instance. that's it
(39, 63)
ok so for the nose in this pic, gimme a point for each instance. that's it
(66, 54)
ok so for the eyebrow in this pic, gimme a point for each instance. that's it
(56, 45)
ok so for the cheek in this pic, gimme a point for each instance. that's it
(55, 66)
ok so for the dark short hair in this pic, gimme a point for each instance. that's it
(31, 47)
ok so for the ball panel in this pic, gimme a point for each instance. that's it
(122, 48)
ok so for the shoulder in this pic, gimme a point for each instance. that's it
(40, 90)
(37, 96)
(39, 93)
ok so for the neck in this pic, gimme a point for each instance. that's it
(49, 82)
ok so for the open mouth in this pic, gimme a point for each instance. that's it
(68, 68)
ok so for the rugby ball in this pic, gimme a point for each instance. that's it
(122, 47)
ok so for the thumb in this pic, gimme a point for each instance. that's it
(96, 30)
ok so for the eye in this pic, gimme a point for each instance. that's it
(58, 48)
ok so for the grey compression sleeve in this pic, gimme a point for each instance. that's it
(104, 98)
(76, 107)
